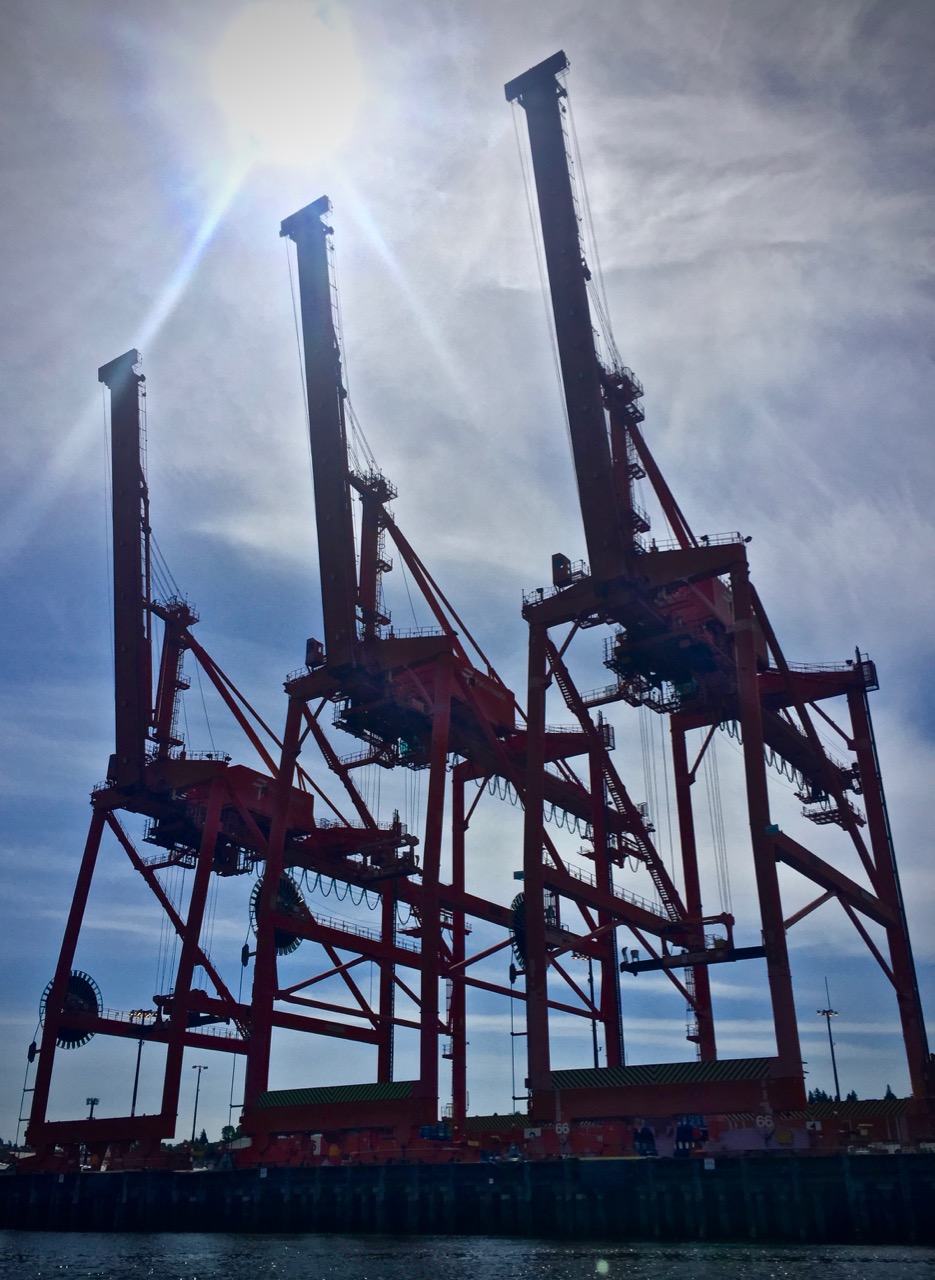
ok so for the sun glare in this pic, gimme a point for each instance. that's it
(288, 79)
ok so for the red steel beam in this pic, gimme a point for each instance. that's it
(326, 397)
(761, 831)
(684, 777)
(132, 657)
(828, 877)
(909, 1003)
(541, 97)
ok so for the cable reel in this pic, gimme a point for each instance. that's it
(288, 902)
(83, 996)
(518, 930)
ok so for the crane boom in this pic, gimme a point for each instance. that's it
(132, 645)
(326, 396)
(540, 94)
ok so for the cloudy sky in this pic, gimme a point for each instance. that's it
(759, 180)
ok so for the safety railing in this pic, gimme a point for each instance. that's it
(635, 899)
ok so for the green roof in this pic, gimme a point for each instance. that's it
(335, 1093)
(494, 1124)
(663, 1073)
(861, 1109)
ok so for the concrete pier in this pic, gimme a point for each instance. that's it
(836, 1199)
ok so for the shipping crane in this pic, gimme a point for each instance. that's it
(686, 637)
(204, 816)
(413, 700)
(689, 640)
(422, 701)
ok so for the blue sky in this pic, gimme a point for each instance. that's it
(759, 177)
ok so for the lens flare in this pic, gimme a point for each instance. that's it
(288, 79)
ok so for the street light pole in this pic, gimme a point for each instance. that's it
(92, 1103)
(199, 1068)
(828, 1013)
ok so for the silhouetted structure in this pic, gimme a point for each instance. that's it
(685, 636)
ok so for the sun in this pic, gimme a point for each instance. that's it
(288, 79)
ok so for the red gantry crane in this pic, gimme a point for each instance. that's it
(691, 641)
(417, 701)
(686, 638)
(204, 817)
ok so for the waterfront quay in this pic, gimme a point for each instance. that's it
(840, 1199)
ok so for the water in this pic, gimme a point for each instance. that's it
(51, 1255)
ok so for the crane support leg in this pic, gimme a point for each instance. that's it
(921, 1066)
(189, 953)
(537, 991)
(609, 967)
(431, 869)
(458, 1010)
(265, 979)
(385, 1044)
(707, 1046)
(764, 860)
(56, 997)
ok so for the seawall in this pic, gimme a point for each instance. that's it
(843, 1199)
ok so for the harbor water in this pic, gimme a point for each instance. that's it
(33, 1255)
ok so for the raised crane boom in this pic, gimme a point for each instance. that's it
(327, 430)
(540, 94)
(132, 647)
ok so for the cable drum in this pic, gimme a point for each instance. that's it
(288, 902)
(83, 996)
(518, 929)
